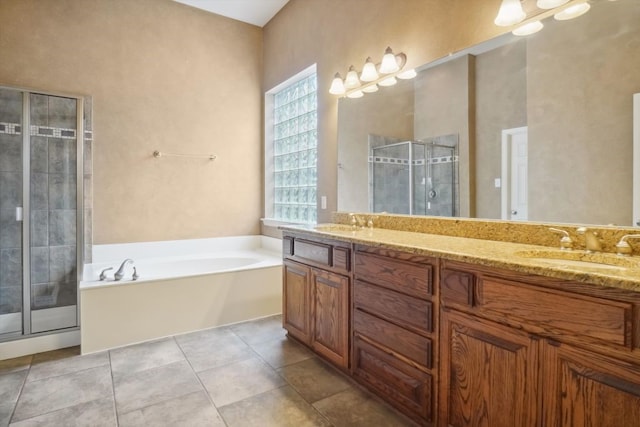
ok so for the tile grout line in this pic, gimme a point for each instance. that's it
(199, 381)
(15, 405)
(113, 389)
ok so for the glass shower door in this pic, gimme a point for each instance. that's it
(11, 196)
(53, 212)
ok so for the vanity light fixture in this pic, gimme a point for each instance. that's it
(573, 11)
(550, 4)
(511, 13)
(389, 81)
(370, 89)
(527, 29)
(369, 72)
(372, 76)
(351, 81)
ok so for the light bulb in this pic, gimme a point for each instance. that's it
(337, 85)
(572, 11)
(389, 81)
(550, 4)
(352, 80)
(510, 13)
(527, 29)
(408, 74)
(370, 89)
(356, 94)
(389, 63)
(369, 72)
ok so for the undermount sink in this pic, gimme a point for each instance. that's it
(581, 259)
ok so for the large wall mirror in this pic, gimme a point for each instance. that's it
(538, 128)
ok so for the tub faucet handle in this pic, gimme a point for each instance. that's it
(135, 274)
(103, 276)
(120, 273)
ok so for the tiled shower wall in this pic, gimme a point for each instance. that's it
(53, 200)
(390, 171)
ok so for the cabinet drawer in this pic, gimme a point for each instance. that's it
(399, 340)
(399, 308)
(556, 311)
(456, 286)
(410, 278)
(319, 253)
(401, 384)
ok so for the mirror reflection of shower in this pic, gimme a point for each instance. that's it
(414, 177)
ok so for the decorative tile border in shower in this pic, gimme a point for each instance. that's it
(10, 128)
(420, 162)
(52, 132)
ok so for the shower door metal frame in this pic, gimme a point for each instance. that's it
(26, 208)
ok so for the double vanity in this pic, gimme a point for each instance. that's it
(466, 322)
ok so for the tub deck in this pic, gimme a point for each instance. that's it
(115, 314)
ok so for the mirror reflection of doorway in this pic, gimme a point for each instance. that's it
(514, 174)
(636, 160)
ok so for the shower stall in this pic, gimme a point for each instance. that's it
(414, 177)
(42, 210)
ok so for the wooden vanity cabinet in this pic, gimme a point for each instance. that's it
(529, 350)
(316, 296)
(394, 328)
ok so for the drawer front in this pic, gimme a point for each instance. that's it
(319, 253)
(408, 344)
(401, 384)
(413, 279)
(341, 258)
(399, 308)
(287, 246)
(555, 311)
(456, 286)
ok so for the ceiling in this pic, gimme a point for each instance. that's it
(256, 12)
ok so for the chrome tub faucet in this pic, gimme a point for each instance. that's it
(120, 273)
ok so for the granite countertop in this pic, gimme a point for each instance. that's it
(605, 269)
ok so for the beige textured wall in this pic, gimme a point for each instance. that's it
(583, 173)
(337, 33)
(163, 76)
(501, 103)
(445, 105)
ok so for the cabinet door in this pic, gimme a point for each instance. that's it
(581, 388)
(331, 316)
(488, 374)
(296, 304)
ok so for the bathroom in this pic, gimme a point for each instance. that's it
(158, 75)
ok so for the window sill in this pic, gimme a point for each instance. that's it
(270, 222)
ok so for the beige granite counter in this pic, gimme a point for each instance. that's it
(575, 265)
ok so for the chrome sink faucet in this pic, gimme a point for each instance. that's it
(566, 244)
(623, 247)
(357, 221)
(593, 242)
(120, 273)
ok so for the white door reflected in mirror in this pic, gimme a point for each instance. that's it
(636, 160)
(514, 174)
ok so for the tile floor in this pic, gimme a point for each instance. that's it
(247, 374)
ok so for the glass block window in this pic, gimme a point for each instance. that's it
(295, 139)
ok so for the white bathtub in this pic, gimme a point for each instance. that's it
(183, 286)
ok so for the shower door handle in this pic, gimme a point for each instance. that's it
(19, 213)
